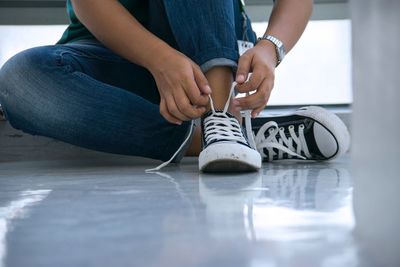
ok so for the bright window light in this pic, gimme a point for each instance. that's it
(15, 39)
(318, 69)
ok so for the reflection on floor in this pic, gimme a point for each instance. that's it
(112, 213)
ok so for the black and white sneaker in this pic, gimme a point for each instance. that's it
(225, 145)
(310, 133)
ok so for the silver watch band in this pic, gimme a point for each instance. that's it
(279, 47)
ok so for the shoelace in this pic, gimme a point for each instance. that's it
(218, 131)
(219, 126)
(162, 165)
(282, 143)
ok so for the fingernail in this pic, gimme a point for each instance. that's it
(207, 89)
(235, 103)
(178, 122)
(240, 78)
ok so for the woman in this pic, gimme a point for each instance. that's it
(130, 77)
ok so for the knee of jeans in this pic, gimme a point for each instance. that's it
(15, 78)
(14, 73)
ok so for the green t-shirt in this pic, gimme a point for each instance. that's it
(76, 31)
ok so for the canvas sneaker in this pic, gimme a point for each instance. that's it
(310, 133)
(225, 145)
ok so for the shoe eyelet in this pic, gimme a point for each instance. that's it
(301, 126)
(281, 129)
(291, 126)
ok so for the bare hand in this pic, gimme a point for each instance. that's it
(183, 87)
(261, 61)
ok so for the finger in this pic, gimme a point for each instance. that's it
(254, 82)
(201, 80)
(244, 67)
(257, 111)
(248, 103)
(165, 113)
(173, 109)
(194, 94)
(257, 100)
(185, 106)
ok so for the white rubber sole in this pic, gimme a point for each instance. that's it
(229, 157)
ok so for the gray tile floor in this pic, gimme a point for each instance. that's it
(112, 213)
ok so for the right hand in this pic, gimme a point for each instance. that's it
(182, 86)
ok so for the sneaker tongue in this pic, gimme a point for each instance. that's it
(218, 112)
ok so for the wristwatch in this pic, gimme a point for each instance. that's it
(279, 47)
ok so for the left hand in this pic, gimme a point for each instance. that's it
(261, 61)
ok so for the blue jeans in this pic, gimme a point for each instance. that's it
(84, 94)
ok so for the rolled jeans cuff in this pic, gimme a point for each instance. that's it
(218, 62)
(217, 57)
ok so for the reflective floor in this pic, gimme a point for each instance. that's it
(112, 213)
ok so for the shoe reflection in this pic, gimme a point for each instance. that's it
(280, 203)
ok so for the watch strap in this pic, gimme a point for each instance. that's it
(279, 47)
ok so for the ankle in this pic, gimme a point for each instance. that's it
(220, 79)
(235, 113)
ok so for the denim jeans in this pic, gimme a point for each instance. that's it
(84, 94)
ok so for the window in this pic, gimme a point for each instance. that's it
(18, 38)
(318, 69)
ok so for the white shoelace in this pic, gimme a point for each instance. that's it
(282, 143)
(162, 165)
(219, 126)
